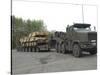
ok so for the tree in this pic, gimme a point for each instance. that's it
(21, 28)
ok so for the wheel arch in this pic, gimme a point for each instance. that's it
(75, 42)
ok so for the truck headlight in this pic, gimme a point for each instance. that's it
(93, 43)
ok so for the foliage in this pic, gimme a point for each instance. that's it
(21, 28)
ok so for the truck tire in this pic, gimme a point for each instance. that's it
(57, 48)
(77, 52)
(66, 48)
(62, 48)
(93, 52)
(25, 49)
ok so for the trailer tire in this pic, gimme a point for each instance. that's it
(25, 49)
(37, 49)
(29, 49)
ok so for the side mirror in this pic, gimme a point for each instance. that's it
(67, 28)
(94, 28)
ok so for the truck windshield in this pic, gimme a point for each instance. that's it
(82, 29)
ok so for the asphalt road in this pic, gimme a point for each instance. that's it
(42, 62)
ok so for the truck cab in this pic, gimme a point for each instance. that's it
(81, 38)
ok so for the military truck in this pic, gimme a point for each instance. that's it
(77, 38)
(35, 41)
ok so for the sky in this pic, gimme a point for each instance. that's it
(55, 16)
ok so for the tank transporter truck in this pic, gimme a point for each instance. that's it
(34, 42)
(77, 38)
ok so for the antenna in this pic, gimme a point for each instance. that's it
(82, 14)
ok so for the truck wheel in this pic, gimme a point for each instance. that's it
(57, 48)
(62, 48)
(66, 48)
(93, 52)
(77, 50)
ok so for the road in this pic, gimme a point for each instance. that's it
(42, 62)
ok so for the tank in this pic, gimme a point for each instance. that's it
(35, 41)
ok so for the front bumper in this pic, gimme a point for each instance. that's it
(88, 46)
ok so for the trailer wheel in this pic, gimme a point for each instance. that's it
(22, 49)
(48, 49)
(33, 49)
(29, 49)
(18, 49)
(25, 49)
(77, 52)
(37, 49)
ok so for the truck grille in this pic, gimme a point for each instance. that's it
(92, 36)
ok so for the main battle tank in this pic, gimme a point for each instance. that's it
(35, 41)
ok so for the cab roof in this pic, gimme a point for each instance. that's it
(81, 25)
